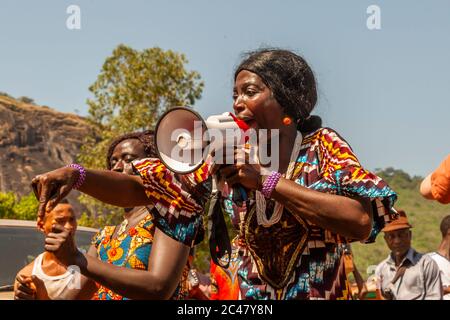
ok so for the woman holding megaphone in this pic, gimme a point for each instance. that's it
(297, 217)
(300, 216)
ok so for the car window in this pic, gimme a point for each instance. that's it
(83, 240)
(21, 245)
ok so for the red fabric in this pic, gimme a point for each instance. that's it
(224, 283)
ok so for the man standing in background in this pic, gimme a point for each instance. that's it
(407, 274)
(442, 256)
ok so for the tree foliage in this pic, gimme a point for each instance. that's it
(7, 202)
(399, 179)
(26, 100)
(132, 90)
(113, 217)
(11, 207)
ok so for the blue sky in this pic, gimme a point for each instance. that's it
(386, 91)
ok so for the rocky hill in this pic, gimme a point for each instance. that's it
(35, 139)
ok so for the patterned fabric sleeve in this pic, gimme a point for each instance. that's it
(97, 239)
(178, 199)
(343, 175)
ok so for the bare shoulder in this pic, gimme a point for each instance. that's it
(27, 270)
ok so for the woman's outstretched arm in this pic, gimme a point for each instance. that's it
(107, 186)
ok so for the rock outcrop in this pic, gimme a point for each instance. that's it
(35, 139)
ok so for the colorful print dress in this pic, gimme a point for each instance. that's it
(292, 259)
(130, 250)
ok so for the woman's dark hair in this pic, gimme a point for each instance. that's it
(145, 137)
(291, 80)
(445, 225)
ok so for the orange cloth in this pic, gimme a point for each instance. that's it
(348, 263)
(224, 282)
(440, 182)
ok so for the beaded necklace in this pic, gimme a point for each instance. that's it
(261, 200)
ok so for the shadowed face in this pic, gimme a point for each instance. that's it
(124, 153)
(398, 241)
(254, 103)
(62, 214)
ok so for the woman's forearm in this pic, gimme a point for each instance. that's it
(345, 216)
(167, 260)
(130, 283)
(115, 188)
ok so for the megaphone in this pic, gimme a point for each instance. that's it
(183, 142)
(184, 139)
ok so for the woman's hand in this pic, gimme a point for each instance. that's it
(248, 175)
(241, 171)
(61, 243)
(198, 285)
(51, 187)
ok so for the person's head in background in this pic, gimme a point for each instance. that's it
(445, 228)
(129, 147)
(63, 214)
(398, 236)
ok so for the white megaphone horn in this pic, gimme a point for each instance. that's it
(184, 139)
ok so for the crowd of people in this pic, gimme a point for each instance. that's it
(293, 231)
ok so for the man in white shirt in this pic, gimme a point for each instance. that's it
(406, 274)
(47, 278)
(442, 256)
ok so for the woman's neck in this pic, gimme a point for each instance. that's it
(288, 135)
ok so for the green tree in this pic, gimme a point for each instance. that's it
(5, 94)
(7, 202)
(26, 208)
(131, 92)
(26, 100)
(399, 179)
